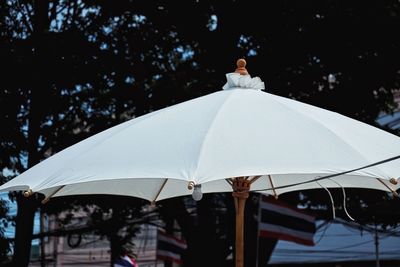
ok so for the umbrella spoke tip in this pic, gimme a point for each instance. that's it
(191, 185)
(28, 193)
(394, 181)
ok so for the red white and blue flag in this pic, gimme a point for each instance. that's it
(125, 261)
(279, 220)
(170, 248)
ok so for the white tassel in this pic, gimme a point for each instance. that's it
(235, 81)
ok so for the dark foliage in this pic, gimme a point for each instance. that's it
(73, 68)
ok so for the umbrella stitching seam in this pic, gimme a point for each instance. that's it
(129, 122)
(312, 119)
(217, 115)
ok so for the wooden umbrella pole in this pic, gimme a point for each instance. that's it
(241, 187)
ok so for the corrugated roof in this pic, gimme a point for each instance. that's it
(338, 242)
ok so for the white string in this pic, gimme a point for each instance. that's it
(344, 199)
(330, 196)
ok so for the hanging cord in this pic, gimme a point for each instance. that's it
(344, 199)
(330, 196)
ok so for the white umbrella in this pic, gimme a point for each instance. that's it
(223, 141)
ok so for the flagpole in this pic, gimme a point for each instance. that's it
(155, 263)
(377, 246)
(258, 228)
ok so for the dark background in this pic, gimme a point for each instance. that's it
(70, 69)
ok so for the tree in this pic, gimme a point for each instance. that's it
(4, 221)
(97, 63)
(67, 53)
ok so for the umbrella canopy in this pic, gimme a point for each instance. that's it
(225, 141)
(231, 133)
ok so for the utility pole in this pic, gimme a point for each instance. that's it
(377, 246)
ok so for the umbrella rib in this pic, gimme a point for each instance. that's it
(229, 181)
(340, 173)
(391, 190)
(273, 187)
(44, 201)
(252, 180)
(159, 191)
(255, 178)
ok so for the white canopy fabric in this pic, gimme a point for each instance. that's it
(230, 133)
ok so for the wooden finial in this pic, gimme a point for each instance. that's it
(241, 67)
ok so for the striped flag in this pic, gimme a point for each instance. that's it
(125, 261)
(169, 248)
(281, 221)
